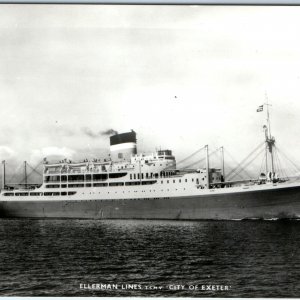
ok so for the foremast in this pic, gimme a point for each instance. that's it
(269, 140)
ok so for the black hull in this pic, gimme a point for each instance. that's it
(260, 204)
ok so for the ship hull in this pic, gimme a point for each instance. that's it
(259, 204)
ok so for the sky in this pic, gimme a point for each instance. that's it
(180, 76)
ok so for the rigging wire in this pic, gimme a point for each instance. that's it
(235, 161)
(286, 157)
(32, 171)
(190, 156)
(254, 158)
(236, 174)
(35, 169)
(245, 159)
(201, 160)
(276, 162)
(284, 174)
(192, 164)
(263, 163)
(14, 175)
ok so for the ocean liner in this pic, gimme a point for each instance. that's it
(150, 186)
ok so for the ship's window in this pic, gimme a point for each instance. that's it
(117, 175)
(148, 182)
(63, 185)
(88, 184)
(132, 183)
(151, 174)
(99, 177)
(162, 182)
(21, 194)
(142, 175)
(8, 194)
(167, 181)
(99, 184)
(192, 179)
(64, 193)
(147, 175)
(134, 176)
(180, 180)
(56, 194)
(52, 186)
(51, 178)
(88, 177)
(138, 176)
(36, 194)
(173, 181)
(71, 193)
(48, 194)
(116, 183)
(75, 177)
(64, 178)
(130, 176)
(54, 178)
(75, 185)
(186, 180)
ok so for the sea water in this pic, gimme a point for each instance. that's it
(149, 258)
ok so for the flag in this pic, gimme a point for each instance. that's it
(260, 108)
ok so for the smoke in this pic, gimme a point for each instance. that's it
(109, 132)
(90, 133)
(65, 131)
(87, 131)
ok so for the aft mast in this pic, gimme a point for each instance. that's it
(223, 162)
(3, 174)
(207, 167)
(25, 173)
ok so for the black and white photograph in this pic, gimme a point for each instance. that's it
(149, 151)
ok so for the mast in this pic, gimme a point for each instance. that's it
(223, 162)
(140, 172)
(25, 173)
(270, 141)
(266, 137)
(207, 166)
(3, 174)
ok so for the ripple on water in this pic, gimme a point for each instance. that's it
(52, 257)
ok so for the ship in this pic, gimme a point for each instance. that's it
(132, 185)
